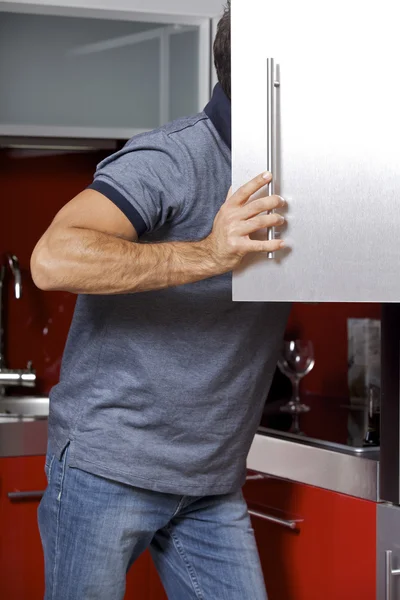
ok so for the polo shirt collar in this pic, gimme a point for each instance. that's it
(218, 110)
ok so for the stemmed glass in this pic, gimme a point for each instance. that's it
(296, 361)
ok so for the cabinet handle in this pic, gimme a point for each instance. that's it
(272, 83)
(25, 495)
(389, 574)
(256, 477)
(293, 525)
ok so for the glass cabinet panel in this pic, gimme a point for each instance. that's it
(92, 77)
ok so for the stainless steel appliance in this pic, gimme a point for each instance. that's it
(324, 115)
(315, 99)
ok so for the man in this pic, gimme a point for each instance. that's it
(164, 377)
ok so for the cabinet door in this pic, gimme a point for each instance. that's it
(22, 480)
(99, 78)
(330, 552)
(331, 139)
(143, 582)
(156, 588)
(21, 559)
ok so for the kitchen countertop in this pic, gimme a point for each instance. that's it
(271, 453)
(293, 458)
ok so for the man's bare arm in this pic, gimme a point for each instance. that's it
(92, 248)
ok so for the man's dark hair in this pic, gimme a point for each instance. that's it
(222, 50)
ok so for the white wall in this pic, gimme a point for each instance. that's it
(189, 8)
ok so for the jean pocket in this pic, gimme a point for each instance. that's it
(60, 471)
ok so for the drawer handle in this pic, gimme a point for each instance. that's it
(33, 495)
(293, 525)
(256, 477)
(390, 573)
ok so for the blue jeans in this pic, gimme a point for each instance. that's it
(93, 529)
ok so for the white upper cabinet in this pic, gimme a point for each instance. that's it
(94, 77)
(180, 8)
(330, 125)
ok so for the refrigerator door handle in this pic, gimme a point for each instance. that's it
(272, 83)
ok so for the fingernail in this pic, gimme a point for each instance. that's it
(267, 175)
(282, 245)
(282, 219)
(283, 201)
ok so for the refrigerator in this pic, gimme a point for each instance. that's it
(316, 100)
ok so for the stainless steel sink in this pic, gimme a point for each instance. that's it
(16, 408)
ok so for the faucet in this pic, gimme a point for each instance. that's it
(16, 271)
(12, 377)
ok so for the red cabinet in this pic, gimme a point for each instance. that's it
(330, 554)
(155, 586)
(21, 559)
(143, 582)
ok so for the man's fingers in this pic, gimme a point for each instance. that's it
(261, 222)
(242, 195)
(239, 218)
(261, 246)
(254, 208)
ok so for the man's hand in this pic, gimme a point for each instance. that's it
(237, 219)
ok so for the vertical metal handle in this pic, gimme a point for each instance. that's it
(389, 574)
(271, 84)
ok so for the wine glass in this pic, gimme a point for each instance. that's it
(296, 362)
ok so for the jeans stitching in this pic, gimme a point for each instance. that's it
(190, 569)
(56, 549)
(48, 467)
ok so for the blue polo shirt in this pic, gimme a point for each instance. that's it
(164, 390)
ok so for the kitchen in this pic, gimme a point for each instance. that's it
(322, 513)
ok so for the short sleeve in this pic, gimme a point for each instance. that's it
(146, 180)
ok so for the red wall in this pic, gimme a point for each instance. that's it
(33, 187)
(326, 326)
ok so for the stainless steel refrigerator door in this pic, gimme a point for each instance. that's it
(336, 148)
